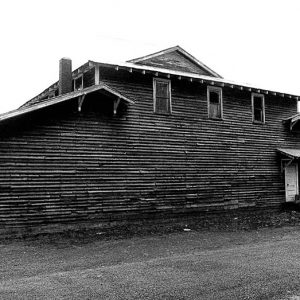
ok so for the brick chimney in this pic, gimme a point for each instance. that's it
(65, 76)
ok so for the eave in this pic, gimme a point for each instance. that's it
(192, 77)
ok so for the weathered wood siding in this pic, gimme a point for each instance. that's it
(59, 165)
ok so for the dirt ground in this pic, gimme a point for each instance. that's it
(185, 263)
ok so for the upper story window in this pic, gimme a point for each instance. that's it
(258, 108)
(214, 102)
(162, 96)
(78, 83)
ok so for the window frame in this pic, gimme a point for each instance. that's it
(154, 96)
(219, 91)
(253, 95)
(80, 77)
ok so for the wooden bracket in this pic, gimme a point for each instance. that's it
(292, 124)
(80, 101)
(116, 104)
(285, 163)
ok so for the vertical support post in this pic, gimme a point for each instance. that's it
(97, 75)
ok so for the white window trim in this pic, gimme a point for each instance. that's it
(220, 92)
(263, 107)
(154, 93)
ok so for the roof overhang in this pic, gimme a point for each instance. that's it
(80, 94)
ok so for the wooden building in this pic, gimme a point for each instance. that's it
(154, 137)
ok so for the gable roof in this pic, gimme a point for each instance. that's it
(63, 98)
(168, 73)
(175, 58)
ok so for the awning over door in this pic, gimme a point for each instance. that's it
(290, 167)
(289, 157)
(292, 122)
(291, 153)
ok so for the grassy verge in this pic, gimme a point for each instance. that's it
(227, 222)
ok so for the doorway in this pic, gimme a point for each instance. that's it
(291, 181)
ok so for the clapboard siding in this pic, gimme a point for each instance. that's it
(59, 165)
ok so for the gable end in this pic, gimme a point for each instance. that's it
(177, 59)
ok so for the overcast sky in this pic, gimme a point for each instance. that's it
(254, 42)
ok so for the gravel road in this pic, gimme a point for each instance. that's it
(257, 264)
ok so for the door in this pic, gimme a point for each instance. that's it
(291, 181)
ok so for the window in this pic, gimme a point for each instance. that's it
(258, 108)
(162, 96)
(78, 83)
(53, 93)
(214, 102)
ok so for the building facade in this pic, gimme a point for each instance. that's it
(157, 136)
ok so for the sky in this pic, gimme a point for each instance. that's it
(255, 42)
